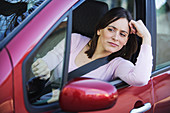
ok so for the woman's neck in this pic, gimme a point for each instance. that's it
(100, 53)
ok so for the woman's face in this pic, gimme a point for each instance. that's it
(113, 37)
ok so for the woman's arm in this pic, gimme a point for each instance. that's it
(43, 66)
(138, 74)
(55, 56)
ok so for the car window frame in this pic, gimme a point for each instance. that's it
(159, 69)
(68, 44)
(54, 105)
(47, 107)
(152, 26)
(149, 19)
(17, 29)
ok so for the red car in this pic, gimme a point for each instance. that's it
(54, 20)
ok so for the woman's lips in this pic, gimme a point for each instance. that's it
(113, 44)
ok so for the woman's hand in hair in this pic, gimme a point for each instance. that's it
(138, 27)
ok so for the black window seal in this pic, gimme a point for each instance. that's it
(118, 83)
(152, 26)
(68, 45)
(160, 71)
(146, 11)
(67, 52)
(17, 29)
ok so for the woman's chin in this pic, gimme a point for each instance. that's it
(112, 51)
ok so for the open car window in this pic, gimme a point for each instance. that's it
(129, 5)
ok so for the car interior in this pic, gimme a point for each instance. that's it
(86, 16)
(84, 19)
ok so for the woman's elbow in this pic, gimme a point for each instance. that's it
(141, 82)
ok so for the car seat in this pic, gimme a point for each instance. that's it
(86, 16)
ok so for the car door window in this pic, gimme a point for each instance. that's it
(163, 33)
(44, 91)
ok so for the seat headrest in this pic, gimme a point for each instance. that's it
(86, 16)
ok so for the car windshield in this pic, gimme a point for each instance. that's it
(17, 11)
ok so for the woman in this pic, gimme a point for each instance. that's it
(114, 36)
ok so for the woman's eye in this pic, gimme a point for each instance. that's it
(122, 34)
(109, 29)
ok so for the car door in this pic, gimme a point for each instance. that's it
(6, 82)
(40, 32)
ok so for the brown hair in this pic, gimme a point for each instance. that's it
(112, 15)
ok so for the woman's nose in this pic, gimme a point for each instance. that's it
(115, 36)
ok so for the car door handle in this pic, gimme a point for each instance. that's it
(142, 109)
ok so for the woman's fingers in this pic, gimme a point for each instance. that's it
(35, 64)
(138, 27)
(40, 68)
(132, 25)
(45, 77)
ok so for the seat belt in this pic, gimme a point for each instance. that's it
(88, 67)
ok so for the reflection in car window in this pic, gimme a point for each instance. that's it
(163, 33)
(17, 11)
(46, 90)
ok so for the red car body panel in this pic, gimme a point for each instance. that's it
(129, 96)
(6, 83)
(161, 90)
(24, 41)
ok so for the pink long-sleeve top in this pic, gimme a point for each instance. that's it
(136, 75)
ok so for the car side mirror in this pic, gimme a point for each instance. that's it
(86, 94)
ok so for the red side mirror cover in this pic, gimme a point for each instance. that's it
(86, 94)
